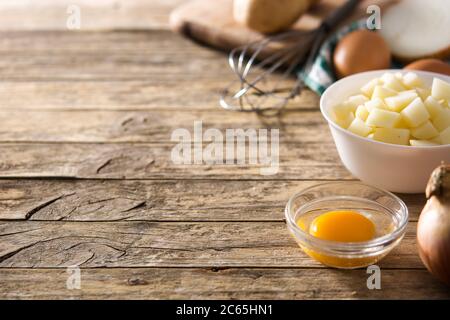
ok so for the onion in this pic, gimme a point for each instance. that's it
(433, 229)
(416, 29)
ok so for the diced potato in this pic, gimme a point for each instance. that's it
(382, 118)
(359, 127)
(341, 111)
(401, 124)
(392, 135)
(440, 89)
(367, 89)
(415, 113)
(400, 101)
(399, 109)
(376, 103)
(355, 101)
(436, 140)
(433, 107)
(422, 143)
(424, 131)
(362, 113)
(445, 136)
(412, 80)
(345, 121)
(423, 93)
(442, 120)
(392, 82)
(382, 92)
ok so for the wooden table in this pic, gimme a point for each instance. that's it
(86, 177)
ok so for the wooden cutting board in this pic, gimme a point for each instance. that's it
(211, 21)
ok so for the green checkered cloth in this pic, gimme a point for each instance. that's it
(321, 74)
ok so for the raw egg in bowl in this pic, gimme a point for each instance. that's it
(391, 139)
(346, 225)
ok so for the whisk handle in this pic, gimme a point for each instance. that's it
(335, 17)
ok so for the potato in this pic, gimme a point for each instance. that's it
(362, 113)
(376, 103)
(440, 89)
(422, 143)
(412, 80)
(382, 118)
(442, 120)
(392, 135)
(382, 92)
(344, 120)
(355, 101)
(390, 81)
(445, 136)
(268, 16)
(359, 127)
(423, 93)
(433, 106)
(398, 109)
(367, 89)
(400, 101)
(415, 113)
(424, 131)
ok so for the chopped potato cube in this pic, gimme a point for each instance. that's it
(359, 127)
(422, 143)
(433, 106)
(345, 121)
(423, 93)
(415, 113)
(440, 89)
(445, 136)
(412, 80)
(376, 103)
(424, 131)
(401, 124)
(436, 140)
(341, 110)
(370, 136)
(400, 101)
(442, 120)
(355, 101)
(382, 92)
(392, 82)
(367, 89)
(392, 135)
(382, 118)
(362, 112)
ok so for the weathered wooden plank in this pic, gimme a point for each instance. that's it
(149, 94)
(105, 66)
(100, 56)
(115, 42)
(166, 244)
(194, 200)
(95, 15)
(242, 283)
(150, 126)
(298, 161)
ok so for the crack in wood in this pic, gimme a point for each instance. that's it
(38, 208)
(102, 166)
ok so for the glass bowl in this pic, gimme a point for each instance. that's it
(388, 213)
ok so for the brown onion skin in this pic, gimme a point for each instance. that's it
(433, 238)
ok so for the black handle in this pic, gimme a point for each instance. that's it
(335, 17)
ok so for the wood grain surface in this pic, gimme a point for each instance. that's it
(86, 177)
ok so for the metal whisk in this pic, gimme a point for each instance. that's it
(264, 83)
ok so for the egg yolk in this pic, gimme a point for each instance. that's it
(342, 226)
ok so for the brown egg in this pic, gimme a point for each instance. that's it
(432, 65)
(359, 51)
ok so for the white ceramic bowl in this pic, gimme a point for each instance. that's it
(392, 167)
